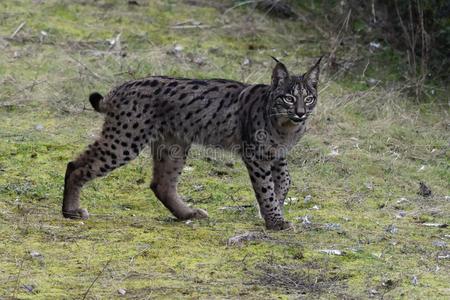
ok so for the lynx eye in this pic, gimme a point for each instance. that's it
(289, 99)
(309, 100)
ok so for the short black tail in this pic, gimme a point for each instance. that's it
(95, 99)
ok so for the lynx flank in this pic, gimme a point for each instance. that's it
(259, 122)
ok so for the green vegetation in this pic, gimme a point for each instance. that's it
(360, 163)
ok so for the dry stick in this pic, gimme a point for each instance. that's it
(365, 68)
(191, 26)
(18, 278)
(238, 5)
(19, 28)
(86, 67)
(93, 282)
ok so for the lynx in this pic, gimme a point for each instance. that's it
(259, 122)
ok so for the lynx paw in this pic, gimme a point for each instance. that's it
(281, 225)
(80, 213)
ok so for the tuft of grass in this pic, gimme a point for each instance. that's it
(359, 164)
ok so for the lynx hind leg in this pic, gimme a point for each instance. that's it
(168, 163)
(101, 157)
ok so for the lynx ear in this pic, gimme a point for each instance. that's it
(312, 76)
(279, 73)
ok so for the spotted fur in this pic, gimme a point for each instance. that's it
(259, 122)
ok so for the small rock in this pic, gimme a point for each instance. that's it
(315, 207)
(246, 62)
(372, 82)
(424, 190)
(332, 251)
(28, 288)
(43, 35)
(178, 48)
(377, 254)
(35, 254)
(334, 152)
(199, 60)
(198, 187)
(374, 45)
(332, 226)
(400, 214)
(373, 292)
(306, 221)
(39, 127)
(401, 200)
(439, 244)
(392, 229)
(291, 200)
(239, 240)
(121, 291)
(435, 225)
(447, 198)
(188, 169)
(369, 186)
(307, 199)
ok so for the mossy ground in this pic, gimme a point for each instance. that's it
(385, 145)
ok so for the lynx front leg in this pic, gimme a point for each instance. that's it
(281, 179)
(261, 176)
(168, 162)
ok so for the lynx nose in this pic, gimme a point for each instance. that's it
(300, 111)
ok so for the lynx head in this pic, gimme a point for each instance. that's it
(293, 98)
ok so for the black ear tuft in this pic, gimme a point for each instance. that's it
(276, 60)
(279, 73)
(312, 76)
(95, 99)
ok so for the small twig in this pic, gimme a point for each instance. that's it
(93, 282)
(86, 67)
(238, 5)
(19, 28)
(365, 68)
(139, 253)
(18, 278)
(190, 26)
